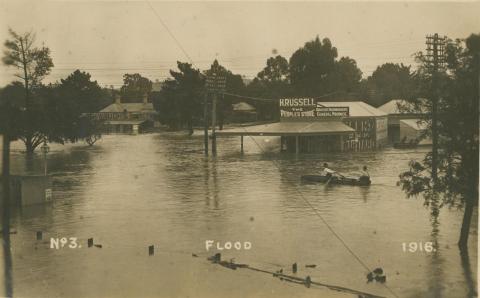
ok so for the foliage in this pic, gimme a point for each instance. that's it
(234, 85)
(32, 62)
(276, 70)
(389, 81)
(457, 90)
(33, 65)
(180, 100)
(90, 130)
(315, 70)
(135, 87)
(272, 82)
(86, 95)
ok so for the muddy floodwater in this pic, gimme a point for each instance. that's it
(129, 192)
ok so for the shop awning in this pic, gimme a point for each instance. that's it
(125, 122)
(290, 128)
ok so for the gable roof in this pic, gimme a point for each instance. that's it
(243, 106)
(392, 107)
(356, 108)
(134, 107)
(416, 124)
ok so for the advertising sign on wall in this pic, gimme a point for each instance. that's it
(291, 108)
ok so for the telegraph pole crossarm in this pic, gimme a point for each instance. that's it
(215, 84)
(436, 59)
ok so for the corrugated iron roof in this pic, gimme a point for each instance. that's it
(125, 122)
(392, 107)
(356, 108)
(130, 107)
(290, 128)
(416, 124)
(242, 107)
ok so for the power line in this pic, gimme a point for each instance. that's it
(347, 247)
(170, 32)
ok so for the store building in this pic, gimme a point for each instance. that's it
(309, 126)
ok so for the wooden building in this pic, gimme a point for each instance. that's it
(130, 118)
(397, 110)
(243, 112)
(309, 126)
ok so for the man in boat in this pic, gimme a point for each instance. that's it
(326, 171)
(365, 176)
(364, 172)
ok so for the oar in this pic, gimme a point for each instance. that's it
(328, 181)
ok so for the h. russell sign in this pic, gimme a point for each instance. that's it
(309, 108)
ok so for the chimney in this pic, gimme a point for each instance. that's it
(145, 98)
(118, 98)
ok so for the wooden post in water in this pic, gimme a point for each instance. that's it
(241, 144)
(214, 123)
(205, 123)
(297, 149)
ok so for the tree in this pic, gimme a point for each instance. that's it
(346, 75)
(76, 96)
(234, 85)
(33, 64)
(86, 95)
(90, 129)
(458, 136)
(389, 81)
(310, 65)
(180, 100)
(271, 83)
(315, 70)
(135, 87)
(276, 70)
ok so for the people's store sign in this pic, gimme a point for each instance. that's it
(292, 108)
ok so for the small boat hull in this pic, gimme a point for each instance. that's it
(360, 181)
(405, 145)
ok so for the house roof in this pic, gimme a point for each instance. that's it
(356, 108)
(125, 122)
(243, 107)
(393, 107)
(129, 107)
(416, 124)
(290, 129)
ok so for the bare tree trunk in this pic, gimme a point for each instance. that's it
(7, 255)
(467, 218)
(29, 145)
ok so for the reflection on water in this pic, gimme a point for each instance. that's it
(129, 192)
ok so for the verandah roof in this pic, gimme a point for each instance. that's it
(290, 128)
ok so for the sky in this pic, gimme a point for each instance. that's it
(111, 38)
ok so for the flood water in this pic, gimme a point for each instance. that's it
(129, 192)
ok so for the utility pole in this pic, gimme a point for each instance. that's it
(214, 123)
(436, 59)
(205, 123)
(7, 256)
(216, 83)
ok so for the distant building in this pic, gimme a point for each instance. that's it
(397, 110)
(412, 131)
(127, 117)
(243, 112)
(157, 86)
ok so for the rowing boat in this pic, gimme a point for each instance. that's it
(343, 180)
